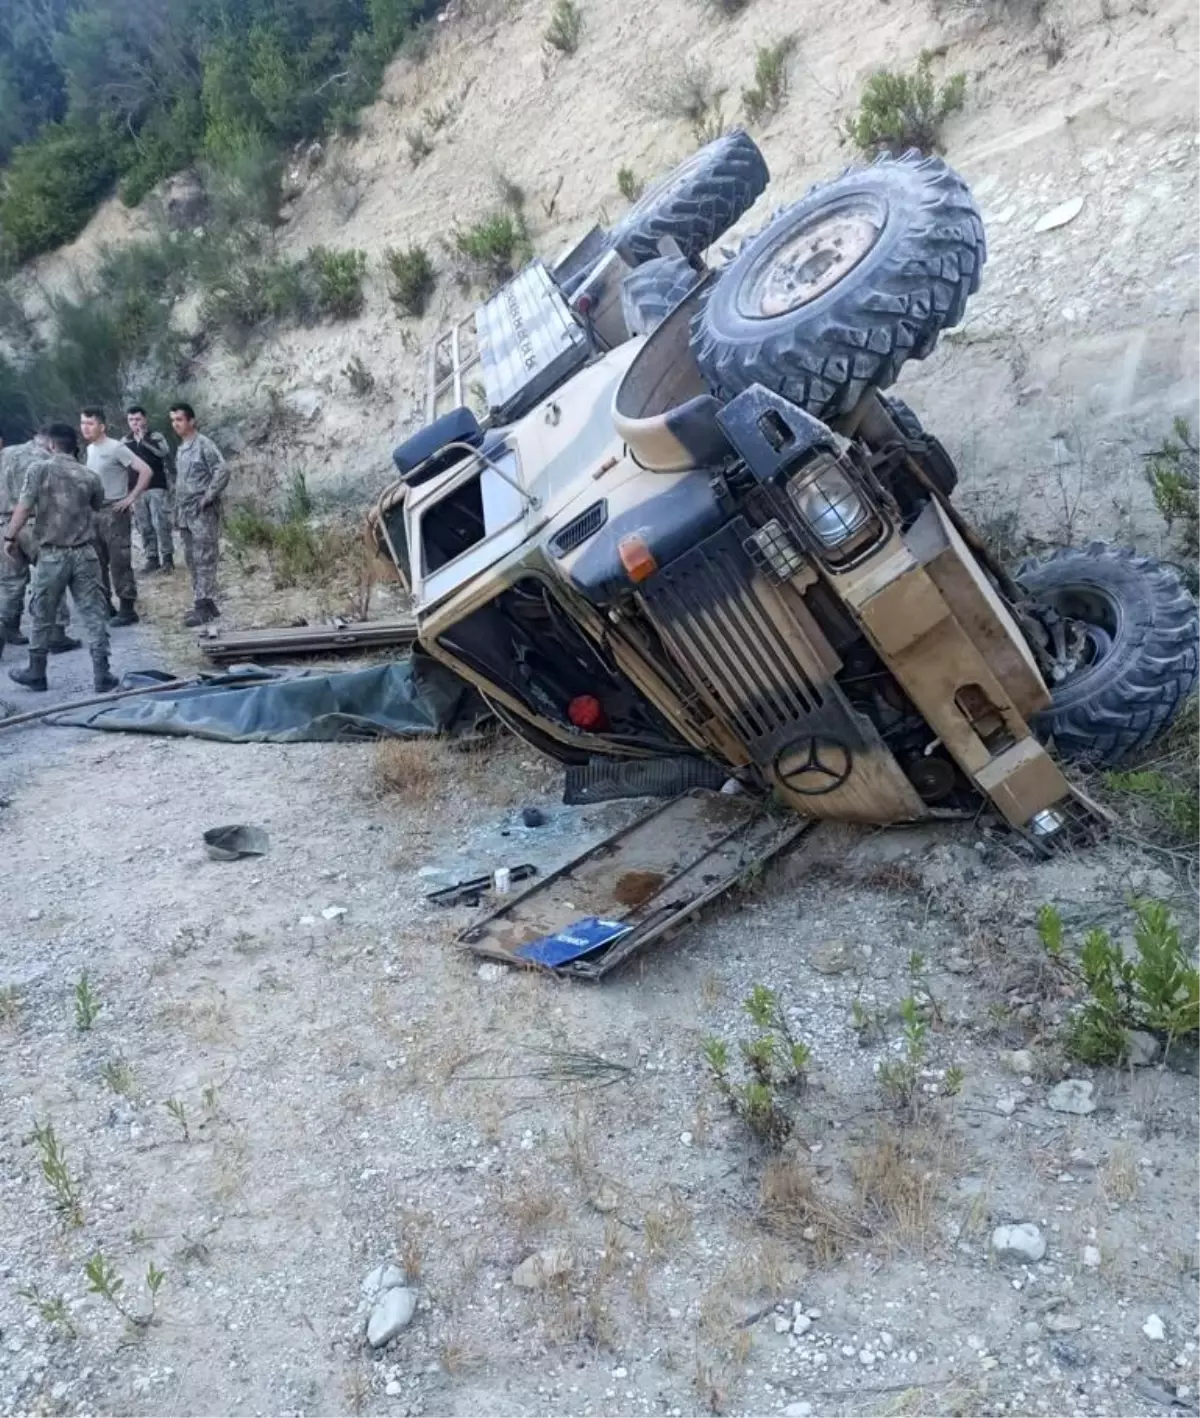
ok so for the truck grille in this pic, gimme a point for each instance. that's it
(724, 622)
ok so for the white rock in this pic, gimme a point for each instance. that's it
(1006, 1107)
(801, 1324)
(331, 913)
(1019, 1061)
(391, 1313)
(1059, 216)
(1063, 1324)
(1141, 1049)
(886, 1340)
(1154, 1328)
(685, 1138)
(491, 971)
(866, 1357)
(35, 914)
(393, 1388)
(537, 1271)
(383, 1277)
(783, 1325)
(1023, 1241)
(798, 1410)
(1072, 1095)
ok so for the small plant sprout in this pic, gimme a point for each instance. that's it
(118, 1075)
(1050, 929)
(175, 1107)
(52, 1308)
(87, 1004)
(208, 1098)
(103, 1280)
(629, 184)
(64, 1188)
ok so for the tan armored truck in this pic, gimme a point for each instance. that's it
(686, 520)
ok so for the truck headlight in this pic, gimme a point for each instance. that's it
(1046, 823)
(830, 506)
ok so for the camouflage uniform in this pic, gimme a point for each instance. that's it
(201, 475)
(65, 498)
(153, 511)
(15, 564)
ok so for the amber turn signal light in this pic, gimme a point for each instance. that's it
(636, 557)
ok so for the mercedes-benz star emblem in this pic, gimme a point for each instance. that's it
(814, 766)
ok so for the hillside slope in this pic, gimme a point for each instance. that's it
(1075, 355)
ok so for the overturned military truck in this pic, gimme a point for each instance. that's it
(689, 521)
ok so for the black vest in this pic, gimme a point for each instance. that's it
(147, 452)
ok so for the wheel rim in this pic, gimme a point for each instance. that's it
(1097, 615)
(812, 260)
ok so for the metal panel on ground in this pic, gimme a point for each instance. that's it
(648, 878)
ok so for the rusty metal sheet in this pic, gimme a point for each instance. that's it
(652, 876)
(339, 637)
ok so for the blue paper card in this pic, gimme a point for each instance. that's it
(573, 942)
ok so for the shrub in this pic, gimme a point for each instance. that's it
(1160, 797)
(773, 1062)
(53, 185)
(629, 185)
(565, 27)
(1156, 988)
(339, 280)
(690, 95)
(495, 246)
(767, 93)
(900, 111)
(1173, 471)
(411, 278)
(419, 146)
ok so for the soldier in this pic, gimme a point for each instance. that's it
(153, 511)
(201, 475)
(65, 499)
(110, 460)
(15, 561)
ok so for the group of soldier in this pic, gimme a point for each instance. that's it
(67, 527)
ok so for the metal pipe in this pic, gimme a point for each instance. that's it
(32, 715)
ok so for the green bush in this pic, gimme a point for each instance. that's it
(767, 93)
(92, 91)
(1153, 988)
(339, 280)
(773, 1062)
(495, 246)
(901, 111)
(629, 184)
(565, 27)
(52, 186)
(411, 278)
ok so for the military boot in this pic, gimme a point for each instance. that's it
(33, 676)
(149, 566)
(102, 680)
(168, 565)
(10, 633)
(204, 612)
(62, 642)
(127, 615)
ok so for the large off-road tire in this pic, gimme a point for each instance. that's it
(839, 290)
(1142, 642)
(696, 203)
(933, 457)
(650, 292)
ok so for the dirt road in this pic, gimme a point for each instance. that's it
(293, 1077)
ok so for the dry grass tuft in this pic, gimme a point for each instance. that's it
(897, 1190)
(666, 1226)
(529, 1208)
(790, 1207)
(419, 769)
(1119, 1177)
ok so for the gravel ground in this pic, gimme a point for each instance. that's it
(348, 1090)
